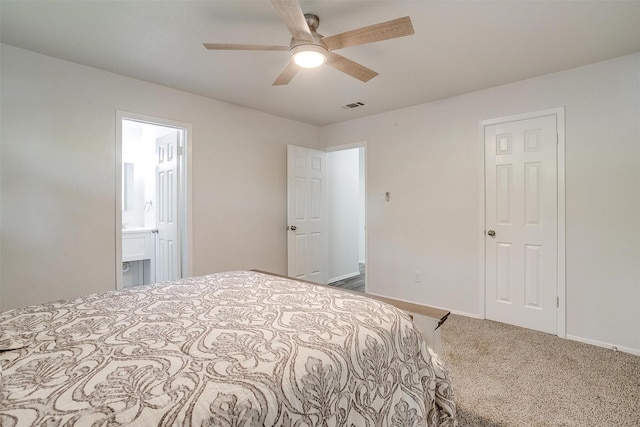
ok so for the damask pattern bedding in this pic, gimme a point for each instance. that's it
(228, 349)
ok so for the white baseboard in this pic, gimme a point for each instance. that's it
(635, 352)
(629, 350)
(343, 277)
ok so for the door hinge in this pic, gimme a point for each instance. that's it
(180, 150)
(557, 302)
(557, 138)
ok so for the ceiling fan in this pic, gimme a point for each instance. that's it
(309, 49)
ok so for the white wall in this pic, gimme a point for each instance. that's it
(343, 184)
(58, 177)
(429, 157)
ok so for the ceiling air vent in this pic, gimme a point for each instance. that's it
(353, 105)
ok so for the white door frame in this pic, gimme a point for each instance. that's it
(360, 144)
(184, 210)
(559, 113)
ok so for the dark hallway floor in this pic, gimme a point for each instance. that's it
(355, 283)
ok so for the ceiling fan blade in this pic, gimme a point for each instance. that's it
(347, 66)
(294, 19)
(287, 74)
(399, 27)
(230, 46)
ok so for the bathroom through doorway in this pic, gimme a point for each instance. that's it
(151, 228)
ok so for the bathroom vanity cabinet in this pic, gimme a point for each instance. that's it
(138, 256)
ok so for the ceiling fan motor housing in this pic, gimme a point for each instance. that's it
(314, 52)
(312, 21)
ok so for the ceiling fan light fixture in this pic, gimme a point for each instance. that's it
(309, 56)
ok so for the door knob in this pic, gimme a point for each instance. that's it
(491, 233)
(292, 228)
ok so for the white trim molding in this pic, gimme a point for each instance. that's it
(614, 347)
(559, 112)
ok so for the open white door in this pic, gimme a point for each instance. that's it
(167, 241)
(306, 214)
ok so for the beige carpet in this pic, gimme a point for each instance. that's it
(509, 376)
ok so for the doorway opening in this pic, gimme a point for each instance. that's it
(346, 217)
(152, 213)
(326, 233)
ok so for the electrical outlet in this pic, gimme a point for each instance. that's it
(417, 276)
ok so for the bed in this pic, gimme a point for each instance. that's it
(228, 349)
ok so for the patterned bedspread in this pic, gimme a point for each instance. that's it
(228, 349)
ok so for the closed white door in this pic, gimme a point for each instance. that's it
(167, 240)
(306, 214)
(521, 231)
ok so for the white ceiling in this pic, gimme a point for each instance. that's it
(459, 47)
